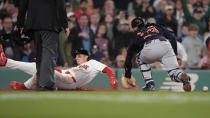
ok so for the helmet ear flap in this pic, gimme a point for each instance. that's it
(137, 22)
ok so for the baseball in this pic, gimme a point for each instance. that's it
(205, 88)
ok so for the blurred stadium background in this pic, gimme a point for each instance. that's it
(110, 33)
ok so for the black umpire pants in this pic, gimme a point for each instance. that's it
(46, 44)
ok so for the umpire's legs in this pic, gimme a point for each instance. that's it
(47, 43)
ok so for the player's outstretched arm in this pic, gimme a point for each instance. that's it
(132, 50)
(112, 78)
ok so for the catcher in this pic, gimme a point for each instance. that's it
(69, 79)
(153, 43)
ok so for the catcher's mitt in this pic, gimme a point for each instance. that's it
(128, 83)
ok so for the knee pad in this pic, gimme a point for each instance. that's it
(146, 71)
(144, 68)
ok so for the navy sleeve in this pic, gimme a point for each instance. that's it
(62, 15)
(22, 9)
(132, 50)
(171, 37)
(128, 61)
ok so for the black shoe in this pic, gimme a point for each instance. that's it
(150, 86)
(46, 89)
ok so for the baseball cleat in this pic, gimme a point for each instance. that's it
(46, 89)
(17, 85)
(150, 86)
(186, 82)
(3, 58)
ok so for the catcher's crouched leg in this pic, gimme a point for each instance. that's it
(178, 75)
(128, 83)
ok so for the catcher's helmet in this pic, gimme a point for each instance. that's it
(137, 22)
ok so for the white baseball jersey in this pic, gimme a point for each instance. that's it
(83, 74)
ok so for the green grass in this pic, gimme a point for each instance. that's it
(104, 104)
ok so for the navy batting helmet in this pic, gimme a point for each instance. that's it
(137, 22)
(80, 51)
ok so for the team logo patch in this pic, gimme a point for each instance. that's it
(84, 66)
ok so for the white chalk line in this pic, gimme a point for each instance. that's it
(111, 98)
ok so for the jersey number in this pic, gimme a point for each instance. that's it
(152, 29)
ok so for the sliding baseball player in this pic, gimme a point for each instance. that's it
(72, 78)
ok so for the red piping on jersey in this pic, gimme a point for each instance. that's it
(67, 72)
(147, 36)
